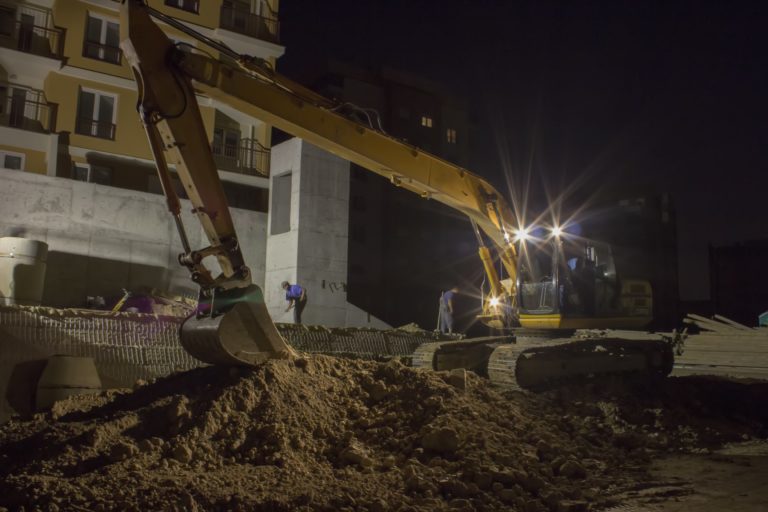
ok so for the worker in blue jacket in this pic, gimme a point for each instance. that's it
(297, 299)
(445, 316)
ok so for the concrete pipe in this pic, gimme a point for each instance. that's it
(65, 376)
(22, 271)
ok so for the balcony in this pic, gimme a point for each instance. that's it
(28, 38)
(246, 157)
(99, 51)
(16, 111)
(95, 128)
(238, 18)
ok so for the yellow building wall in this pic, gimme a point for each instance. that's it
(34, 161)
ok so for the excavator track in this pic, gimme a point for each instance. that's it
(548, 363)
(470, 354)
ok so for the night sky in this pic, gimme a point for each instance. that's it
(578, 96)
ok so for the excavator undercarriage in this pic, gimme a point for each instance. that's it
(525, 360)
(536, 360)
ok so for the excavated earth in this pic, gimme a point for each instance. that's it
(320, 433)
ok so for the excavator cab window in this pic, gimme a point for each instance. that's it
(538, 275)
(588, 281)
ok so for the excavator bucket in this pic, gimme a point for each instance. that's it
(239, 333)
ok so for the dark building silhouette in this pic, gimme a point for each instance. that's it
(640, 225)
(403, 249)
(643, 233)
(739, 283)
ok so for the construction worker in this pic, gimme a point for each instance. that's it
(297, 299)
(446, 310)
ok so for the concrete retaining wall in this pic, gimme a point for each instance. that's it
(102, 239)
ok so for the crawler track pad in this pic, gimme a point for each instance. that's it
(244, 335)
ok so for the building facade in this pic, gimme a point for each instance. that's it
(68, 115)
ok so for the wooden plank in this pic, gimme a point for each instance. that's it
(726, 346)
(735, 334)
(706, 323)
(733, 323)
(721, 371)
(724, 358)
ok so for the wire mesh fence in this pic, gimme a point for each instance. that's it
(127, 347)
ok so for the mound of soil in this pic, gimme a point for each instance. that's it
(321, 433)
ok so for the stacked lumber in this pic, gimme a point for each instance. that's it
(724, 347)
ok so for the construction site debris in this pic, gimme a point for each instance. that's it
(321, 433)
(146, 300)
(724, 347)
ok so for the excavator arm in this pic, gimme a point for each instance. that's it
(168, 75)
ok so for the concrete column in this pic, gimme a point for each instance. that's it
(312, 250)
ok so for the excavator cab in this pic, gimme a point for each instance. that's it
(572, 283)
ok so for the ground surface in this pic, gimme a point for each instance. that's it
(733, 479)
(328, 434)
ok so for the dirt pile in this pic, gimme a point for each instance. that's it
(329, 434)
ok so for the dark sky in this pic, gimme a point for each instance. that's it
(582, 95)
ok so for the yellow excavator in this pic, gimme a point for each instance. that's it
(232, 325)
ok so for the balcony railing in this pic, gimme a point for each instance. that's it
(46, 42)
(242, 21)
(95, 128)
(247, 157)
(101, 51)
(29, 115)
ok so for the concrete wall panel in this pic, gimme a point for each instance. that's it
(102, 239)
(314, 252)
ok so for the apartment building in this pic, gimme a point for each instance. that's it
(73, 154)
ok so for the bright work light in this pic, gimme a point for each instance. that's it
(522, 235)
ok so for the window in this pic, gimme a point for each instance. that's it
(451, 136)
(91, 173)
(185, 5)
(96, 114)
(225, 142)
(7, 20)
(102, 39)
(10, 160)
(281, 204)
(426, 121)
